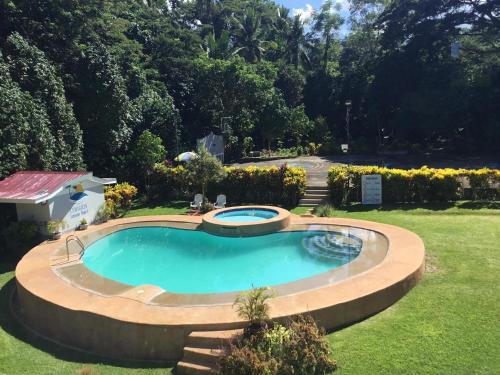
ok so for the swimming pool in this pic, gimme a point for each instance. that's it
(246, 215)
(193, 261)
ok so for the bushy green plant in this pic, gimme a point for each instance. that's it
(265, 185)
(121, 195)
(204, 169)
(325, 210)
(18, 237)
(252, 305)
(106, 211)
(299, 347)
(206, 207)
(55, 226)
(415, 185)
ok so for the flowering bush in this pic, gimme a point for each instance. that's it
(121, 195)
(415, 185)
(273, 185)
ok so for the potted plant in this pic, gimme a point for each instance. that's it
(83, 224)
(54, 228)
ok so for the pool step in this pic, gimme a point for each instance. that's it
(331, 247)
(203, 350)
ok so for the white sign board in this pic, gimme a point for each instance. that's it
(371, 189)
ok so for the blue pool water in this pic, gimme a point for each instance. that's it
(191, 261)
(245, 215)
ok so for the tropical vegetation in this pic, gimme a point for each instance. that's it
(82, 81)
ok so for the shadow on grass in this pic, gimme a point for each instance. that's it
(143, 203)
(437, 206)
(10, 324)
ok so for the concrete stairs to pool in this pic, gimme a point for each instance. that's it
(203, 350)
(314, 196)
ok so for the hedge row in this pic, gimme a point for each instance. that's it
(416, 185)
(284, 185)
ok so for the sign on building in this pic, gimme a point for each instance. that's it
(371, 189)
(214, 145)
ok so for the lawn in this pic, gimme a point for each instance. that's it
(448, 324)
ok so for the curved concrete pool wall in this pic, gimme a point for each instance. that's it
(219, 227)
(113, 320)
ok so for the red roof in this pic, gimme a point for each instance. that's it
(32, 185)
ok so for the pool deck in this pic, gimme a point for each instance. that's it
(98, 315)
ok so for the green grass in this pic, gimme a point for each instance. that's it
(171, 208)
(448, 324)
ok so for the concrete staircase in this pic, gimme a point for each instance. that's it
(203, 351)
(314, 196)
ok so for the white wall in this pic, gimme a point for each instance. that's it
(62, 207)
(38, 213)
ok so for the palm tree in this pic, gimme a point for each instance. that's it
(249, 35)
(327, 22)
(218, 48)
(297, 44)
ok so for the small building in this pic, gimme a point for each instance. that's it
(41, 196)
(214, 144)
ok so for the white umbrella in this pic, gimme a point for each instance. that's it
(186, 156)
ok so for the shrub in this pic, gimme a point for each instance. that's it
(414, 185)
(18, 237)
(325, 210)
(252, 306)
(269, 185)
(106, 211)
(55, 226)
(121, 195)
(298, 347)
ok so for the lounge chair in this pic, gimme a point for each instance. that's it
(221, 201)
(198, 201)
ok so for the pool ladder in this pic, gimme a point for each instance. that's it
(74, 237)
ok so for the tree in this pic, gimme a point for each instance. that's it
(218, 48)
(36, 75)
(204, 169)
(102, 106)
(326, 22)
(147, 151)
(249, 37)
(297, 51)
(158, 114)
(300, 126)
(25, 138)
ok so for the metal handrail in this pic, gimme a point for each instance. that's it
(75, 238)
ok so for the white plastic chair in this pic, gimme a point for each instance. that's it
(198, 200)
(221, 201)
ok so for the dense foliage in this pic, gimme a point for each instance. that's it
(82, 80)
(272, 185)
(416, 185)
(298, 347)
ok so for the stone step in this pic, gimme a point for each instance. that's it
(186, 368)
(311, 205)
(211, 339)
(315, 196)
(317, 188)
(202, 356)
(311, 200)
(317, 191)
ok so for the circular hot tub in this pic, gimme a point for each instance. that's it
(246, 215)
(246, 220)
